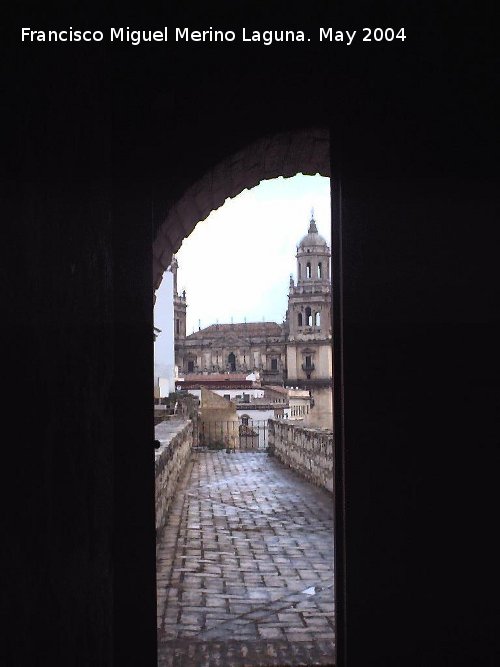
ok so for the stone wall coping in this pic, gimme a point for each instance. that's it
(290, 423)
(171, 458)
(166, 431)
(307, 450)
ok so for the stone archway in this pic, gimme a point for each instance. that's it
(285, 154)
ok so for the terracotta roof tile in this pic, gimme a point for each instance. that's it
(281, 390)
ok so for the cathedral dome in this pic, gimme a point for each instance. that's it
(312, 238)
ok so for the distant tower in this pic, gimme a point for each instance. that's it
(309, 345)
(179, 305)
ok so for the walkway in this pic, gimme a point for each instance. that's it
(245, 566)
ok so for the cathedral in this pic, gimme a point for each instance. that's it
(296, 353)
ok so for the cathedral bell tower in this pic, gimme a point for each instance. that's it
(179, 316)
(309, 356)
(309, 326)
(179, 305)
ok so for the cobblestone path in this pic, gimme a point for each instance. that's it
(245, 566)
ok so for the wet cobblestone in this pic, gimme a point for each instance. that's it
(245, 566)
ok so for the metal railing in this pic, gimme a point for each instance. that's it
(240, 434)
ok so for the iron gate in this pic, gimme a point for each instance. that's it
(242, 434)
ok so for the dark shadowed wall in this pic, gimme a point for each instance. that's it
(103, 142)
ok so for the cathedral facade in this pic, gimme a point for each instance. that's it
(296, 353)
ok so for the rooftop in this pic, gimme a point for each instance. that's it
(288, 391)
(216, 377)
(279, 389)
(239, 329)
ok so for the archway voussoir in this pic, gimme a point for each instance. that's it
(256, 180)
(274, 169)
(238, 176)
(163, 242)
(175, 236)
(320, 156)
(253, 160)
(285, 154)
(203, 196)
(158, 248)
(276, 152)
(237, 164)
(219, 197)
(221, 173)
(188, 214)
(299, 155)
(290, 170)
(158, 270)
(175, 222)
(166, 258)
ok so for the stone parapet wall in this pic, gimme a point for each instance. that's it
(176, 438)
(308, 451)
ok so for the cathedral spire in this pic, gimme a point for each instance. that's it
(312, 225)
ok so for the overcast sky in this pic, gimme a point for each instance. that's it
(237, 263)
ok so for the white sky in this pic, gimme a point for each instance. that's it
(237, 263)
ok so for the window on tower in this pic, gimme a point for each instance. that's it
(319, 269)
(299, 319)
(318, 320)
(309, 319)
(308, 270)
(177, 326)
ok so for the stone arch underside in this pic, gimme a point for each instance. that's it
(285, 154)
